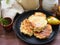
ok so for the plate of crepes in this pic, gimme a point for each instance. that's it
(36, 27)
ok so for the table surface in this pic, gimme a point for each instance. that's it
(10, 38)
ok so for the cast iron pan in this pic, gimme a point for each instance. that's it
(33, 40)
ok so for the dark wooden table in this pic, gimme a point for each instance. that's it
(10, 38)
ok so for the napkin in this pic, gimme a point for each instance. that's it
(10, 9)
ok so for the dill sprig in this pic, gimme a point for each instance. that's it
(4, 21)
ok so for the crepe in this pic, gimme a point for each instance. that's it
(45, 33)
(26, 27)
(38, 20)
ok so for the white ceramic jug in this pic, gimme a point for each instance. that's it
(29, 4)
(49, 4)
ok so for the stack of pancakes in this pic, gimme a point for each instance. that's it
(36, 25)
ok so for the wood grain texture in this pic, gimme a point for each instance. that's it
(11, 38)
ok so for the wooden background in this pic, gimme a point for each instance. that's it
(10, 38)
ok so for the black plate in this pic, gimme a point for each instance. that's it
(32, 40)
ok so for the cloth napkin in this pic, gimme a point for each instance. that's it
(10, 9)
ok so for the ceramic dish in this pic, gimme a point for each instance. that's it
(33, 40)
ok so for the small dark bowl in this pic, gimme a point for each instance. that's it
(9, 26)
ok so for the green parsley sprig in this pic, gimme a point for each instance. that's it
(4, 21)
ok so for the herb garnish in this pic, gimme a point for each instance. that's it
(4, 21)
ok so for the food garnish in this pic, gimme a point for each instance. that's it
(4, 21)
(52, 20)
